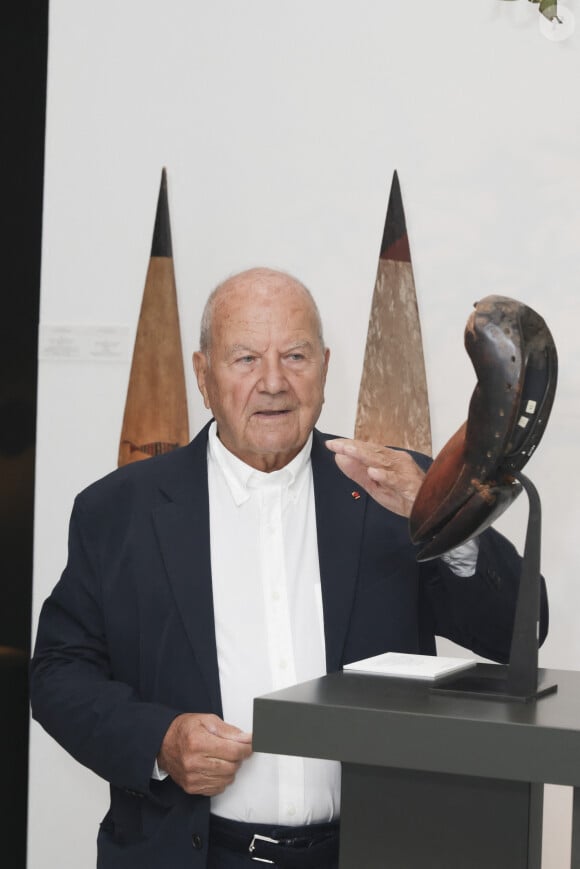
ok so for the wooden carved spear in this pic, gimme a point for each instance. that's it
(155, 418)
(393, 405)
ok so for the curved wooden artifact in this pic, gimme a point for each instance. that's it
(471, 482)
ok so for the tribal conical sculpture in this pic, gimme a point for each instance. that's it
(393, 405)
(155, 418)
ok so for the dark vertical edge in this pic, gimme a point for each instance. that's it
(23, 59)
(161, 244)
(575, 856)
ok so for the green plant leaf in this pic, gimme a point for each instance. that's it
(549, 9)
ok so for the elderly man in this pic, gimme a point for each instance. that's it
(240, 564)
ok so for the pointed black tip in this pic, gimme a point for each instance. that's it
(395, 244)
(161, 244)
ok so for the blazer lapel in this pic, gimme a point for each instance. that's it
(340, 512)
(182, 525)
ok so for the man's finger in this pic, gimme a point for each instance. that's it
(370, 455)
(220, 728)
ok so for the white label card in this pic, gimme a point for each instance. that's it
(86, 343)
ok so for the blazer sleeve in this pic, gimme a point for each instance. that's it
(478, 612)
(98, 719)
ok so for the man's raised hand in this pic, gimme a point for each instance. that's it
(391, 477)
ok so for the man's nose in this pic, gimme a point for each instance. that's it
(273, 377)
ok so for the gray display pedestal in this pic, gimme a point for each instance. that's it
(430, 780)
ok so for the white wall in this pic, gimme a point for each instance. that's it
(280, 124)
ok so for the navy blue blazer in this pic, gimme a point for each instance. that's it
(126, 640)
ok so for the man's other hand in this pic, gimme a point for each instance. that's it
(202, 753)
(391, 477)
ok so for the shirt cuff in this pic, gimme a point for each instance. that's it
(158, 774)
(462, 560)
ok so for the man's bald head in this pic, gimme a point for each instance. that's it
(262, 279)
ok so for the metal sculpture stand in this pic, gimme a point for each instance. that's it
(518, 681)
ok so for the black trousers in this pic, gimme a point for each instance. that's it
(221, 858)
(315, 846)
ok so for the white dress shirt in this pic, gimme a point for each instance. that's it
(269, 626)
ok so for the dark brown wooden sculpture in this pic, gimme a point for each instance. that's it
(471, 482)
(393, 405)
(156, 418)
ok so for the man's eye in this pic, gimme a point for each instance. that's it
(246, 359)
(296, 357)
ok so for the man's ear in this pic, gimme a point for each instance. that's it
(200, 366)
(325, 368)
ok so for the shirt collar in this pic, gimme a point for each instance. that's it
(242, 478)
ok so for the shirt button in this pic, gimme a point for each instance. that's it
(196, 841)
(276, 595)
(283, 663)
(291, 811)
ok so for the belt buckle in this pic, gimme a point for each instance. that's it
(252, 847)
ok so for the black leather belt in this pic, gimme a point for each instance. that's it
(309, 847)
